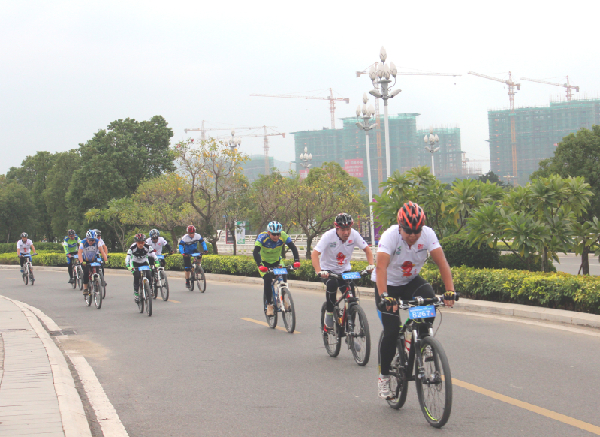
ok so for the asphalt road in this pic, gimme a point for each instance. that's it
(197, 368)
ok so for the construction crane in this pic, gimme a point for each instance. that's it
(511, 96)
(377, 120)
(203, 130)
(567, 85)
(331, 99)
(266, 135)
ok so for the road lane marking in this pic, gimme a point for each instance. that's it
(267, 325)
(530, 407)
(174, 301)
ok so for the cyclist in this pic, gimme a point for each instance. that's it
(137, 256)
(103, 249)
(401, 253)
(335, 249)
(24, 249)
(71, 245)
(89, 249)
(188, 245)
(267, 254)
(158, 243)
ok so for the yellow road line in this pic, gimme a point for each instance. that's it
(266, 324)
(174, 301)
(529, 407)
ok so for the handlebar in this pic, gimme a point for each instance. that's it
(419, 301)
(21, 255)
(334, 275)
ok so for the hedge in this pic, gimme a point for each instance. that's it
(12, 247)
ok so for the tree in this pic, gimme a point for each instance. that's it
(16, 209)
(237, 206)
(268, 201)
(210, 169)
(112, 216)
(493, 178)
(315, 201)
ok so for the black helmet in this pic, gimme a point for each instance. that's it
(70, 232)
(139, 237)
(24, 235)
(343, 220)
(98, 233)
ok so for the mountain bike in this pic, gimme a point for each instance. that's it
(26, 270)
(160, 280)
(282, 301)
(77, 273)
(94, 290)
(102, 282)
(350, 321)
(197, 273)
(144, 292)
(420, 357)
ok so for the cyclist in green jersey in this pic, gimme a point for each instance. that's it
(71, 245)
(267, 254)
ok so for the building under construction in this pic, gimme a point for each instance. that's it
(347, 147)
(538, 132)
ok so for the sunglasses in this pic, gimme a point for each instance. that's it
(412, 232)
(275, 234)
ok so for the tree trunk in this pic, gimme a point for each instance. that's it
(174, 240)
(232, 230)
(585, 260)
(545, 260)
(214, 245)
(309, 239)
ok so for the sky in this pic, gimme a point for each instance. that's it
(69, 68)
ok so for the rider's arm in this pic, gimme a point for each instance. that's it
(32, 249)
(203, 244)
(294, 250)
(80, 255)
(383, 260)
(66, 247)
(167, 247)
(256, 255)
(314, 257)
(181, 248)
(437, 255)
(369, 254)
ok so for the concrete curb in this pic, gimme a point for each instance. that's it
(477, 306)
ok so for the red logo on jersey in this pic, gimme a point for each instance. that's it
(407, 268)
(349, 241)
(419, 246)
(340, 258)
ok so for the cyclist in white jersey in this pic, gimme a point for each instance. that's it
(89, 250)
(24, 249)
(103, 249)
(335, 249)
(158, 243)
(401, 253)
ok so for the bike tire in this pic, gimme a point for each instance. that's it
(155, 286)
(332, 340)
(25, 276)
(271, 320)
(148, 298)
(102, 286)
(164, 290)
(398, 376)
(361, 350)
(80, 277)
(97, 294)
(88, 297)
(140, 302)
(31, 278)
(438, 372)
(192, 280)
(288, 315)
(202, 281)
(74, 284)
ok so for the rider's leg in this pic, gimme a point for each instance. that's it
(187, 265)
(419, 287)
(70, 267)
(21, 262)
(86, 277)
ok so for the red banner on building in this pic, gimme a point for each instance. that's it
(354, 167)
(304, 173)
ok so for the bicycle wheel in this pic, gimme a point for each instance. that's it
(25, 276)
(155, 285)
(88, 297)
(74, 284)
(271, 320)
(359, 336)
(398, 376)
(331, 339)
(80, 277)
(31, 277)
(192, 280)
(289, 313)
(97, 294)
(164, 290)
(148, 298)
(102, 285)
(140, 302)
(434, 387)
(201, 278)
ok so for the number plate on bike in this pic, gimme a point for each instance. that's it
(421, 312)
(160, 256)
(281, 271)
(95, 264)
(195, 254)
(144, 268)
(351, 275)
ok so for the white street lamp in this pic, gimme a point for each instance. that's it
(432, 142)
(380, 77)
(366, 125)
(234, 142)
(306, 158)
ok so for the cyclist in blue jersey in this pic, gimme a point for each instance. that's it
(188, 245)
(71, 245)
(89, 250)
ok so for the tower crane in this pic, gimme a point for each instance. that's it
(266, 136)
(511, 96)
(377, 120)
(567, 85)
(331, 99)
(203, 130)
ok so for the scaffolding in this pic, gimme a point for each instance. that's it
(538, 131)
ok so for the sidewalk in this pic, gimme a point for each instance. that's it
(37, 392)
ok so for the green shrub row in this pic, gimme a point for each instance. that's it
(12, 247)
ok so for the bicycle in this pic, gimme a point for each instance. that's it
(160, 280)
(416, 348)
(350, 321)
(282, 301)
(101, 273)
(94, 282)
(197, 274)
(144, 292)
(77, 273)
(26, 270)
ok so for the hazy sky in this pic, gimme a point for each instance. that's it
(70, 67)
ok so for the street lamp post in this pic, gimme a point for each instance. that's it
(380, 77)
(432, 141)
(366, 125)
(234, 142)
(305, 159)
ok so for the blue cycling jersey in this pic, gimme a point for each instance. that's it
(189, 245)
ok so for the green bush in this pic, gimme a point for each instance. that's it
(515, 262)
(459, 252)
(12, 247)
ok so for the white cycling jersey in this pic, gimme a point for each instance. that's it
(405, 262)
(24, 248)
(335, 254)
(158, 246)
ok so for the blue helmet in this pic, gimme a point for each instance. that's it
(154, 233)
(90, 234)
(274, 227)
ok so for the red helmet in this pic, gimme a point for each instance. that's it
(139, 237)
(411, 216)
(191, 229)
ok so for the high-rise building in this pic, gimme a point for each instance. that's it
(538, 132)
(255, 166)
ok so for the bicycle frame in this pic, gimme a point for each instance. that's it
(279, 282)
(350, 298)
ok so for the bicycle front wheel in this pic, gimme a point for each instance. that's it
(164, 290)
(148, 298)
(97, 294)
(201, 278)
(271, 320)
(80, 277)
(192, 280)
(434, 386)
(25, 277)
(289, 313)
(102, 285)
(74, 284)
(331, 338)
(155, 286)
(360, 338)
(140, 302)
(398, 376)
